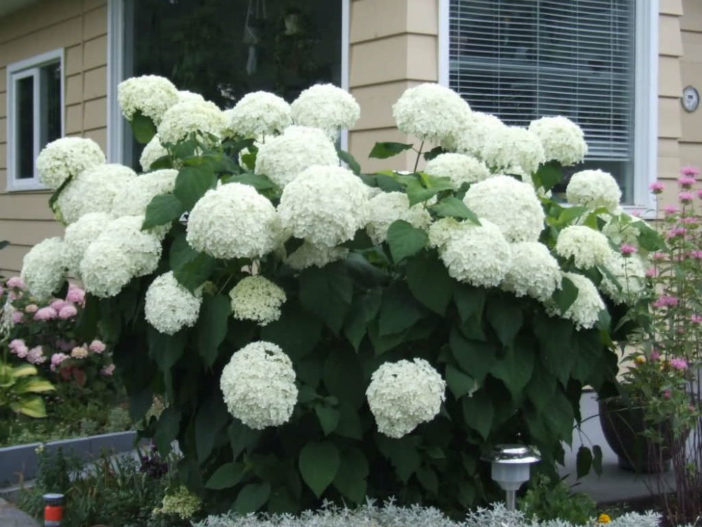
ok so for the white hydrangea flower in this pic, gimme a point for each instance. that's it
(622, 228)
(594, 189)
(258, 114)
(324, 205)
(430, 112)
(121, 252)
(80, 235)
(459, 168)
(586, 246)
(386, 207)
(441, 231)
(133, 199)
(283, 157)
(308, 255)
(233, 221)
(150, 95)
(470, 138)
(630, 272)
(404, 394)
(327, 107)
(475, 254)
(510, 148)
(184, 118)
(44, 267)
(510, 204)
(562, 139)
(533, 271)
(169, 306)
(258, 385)
(257, 298)
(188, 96)
(585, 311)
(93, 190)
(153, 151)
(66, 157)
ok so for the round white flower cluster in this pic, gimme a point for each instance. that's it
(630, 273)
(233, 221)
(283, 157)
(326, 107)
(459, 168)
(512, 149)
(132, 199)
(152, 151)
(188, 96)
(470, 138)
(404, 394)
(586, 246)
(93, 190)
(80, 235)
(149, 95)
(386, 207)
(258, 385)
(258, 114)
(431, 112)
(585, 311)
(562, 139)
(533, 271)
(66, 157)
(308, 255)
(475, 254)
(257, 298)
(121, 252)
(184, 118)
(510, 204)
(594, 189)
(44, 267)
(324, 205)
(169, 306)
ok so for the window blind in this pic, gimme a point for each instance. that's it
(524, 59)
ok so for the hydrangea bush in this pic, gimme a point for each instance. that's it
(322, 333)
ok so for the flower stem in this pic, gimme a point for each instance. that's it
(419, 153)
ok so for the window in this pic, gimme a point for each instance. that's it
(524, 59)
(34, 116)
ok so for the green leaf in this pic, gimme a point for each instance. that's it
(192, 182)
(296, 331)
(211, 418)
(4, 243)
(166, 350)
(319, 464)
(143, 128)
(559, 417)
(541, 388)
(327, 292)
(258, 181)
(226, 476)
(328, 418)
(428, 479)
(252, 497)
(470, 301)
(514, 369)
(405, 240)
(431, 154)
(55, 195)
(556, 350)
(478, 413)
(475, 358)
(31, 406)
(583, 461)
(364, 309)
(429, 282)
(597, 459)
(33, 385)
(398, 311)
(452, 207)
(350, 480)
(360, 241)
(162, 209)
(402, 454)
(384, 150)
(458, 382)
(417, 193)
(566, 295)
(241, 437)
(349, 160)
(343, 377)
(212, 326)
(388, 183)
(648, 238)
(505, 316)
(548, 175)
(167, 429)
(349, 422)
(193, 273)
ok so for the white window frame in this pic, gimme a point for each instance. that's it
(21, 70)
(645, 98)
(115, 69)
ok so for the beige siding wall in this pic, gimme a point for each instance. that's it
(691, 74)
(80, 28)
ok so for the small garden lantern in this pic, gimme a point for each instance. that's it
(510, 468)
(53, 509)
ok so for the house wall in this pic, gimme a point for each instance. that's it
(80, 27)
(690, 143)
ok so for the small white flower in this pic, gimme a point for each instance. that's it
(562, 139)
(533, 271)
(459, 168)
(585, 311)
(470, 137)
(152, 151)
(184, 118)
(586, 246)
(150, 95)
(326, 107)
(66, 157)
(44, 267)
(257, 298)
(80, 235)
(594, 189)
(511, 148)
(258, 114)
(169, 306)
(133, 198)
(387, 207)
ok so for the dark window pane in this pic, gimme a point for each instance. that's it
(24, 146)
(50, 93)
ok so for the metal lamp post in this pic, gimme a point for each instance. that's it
(510, 468)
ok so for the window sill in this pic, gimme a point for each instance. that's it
(25, 185)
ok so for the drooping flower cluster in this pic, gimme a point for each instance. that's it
(586, 246)
(404, 394)
(44, 267)
(258, 114)
(149, 95)
(327, 107)
(386, 207)
(594, 189)
(258, 385)
(561, 138)
(256, 298)
(309, 255)
(169, 307)
(585, 311)
(67, 157)
(459, 168)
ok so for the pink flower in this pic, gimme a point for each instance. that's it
(686, 181)
(16, 343)
(699, 193)
(697, 255)
(636, 213)
(22, 352)
(697, 319)
(690, 220)
(656, 187)
(97, 346)
(68, 311)
(686, 197)
(58, 304)
(655, 355)
(658, 257)
(670, 209)
(65, 345)
(108, 370)
(666, 394)
(75, 294)
(678, 364)
(665, 301)
(31, 308)
(627, 249)
(689, 170)
(651, 272)
(15, 282)
(36, 355)
(676, 231)
(45, 313)
(56, 359)
(17, 317)
(1, 290)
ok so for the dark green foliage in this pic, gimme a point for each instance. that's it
(549, 500)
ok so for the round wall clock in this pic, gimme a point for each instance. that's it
(690, 98)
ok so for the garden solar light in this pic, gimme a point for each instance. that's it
(510, 468)
(53, 509)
